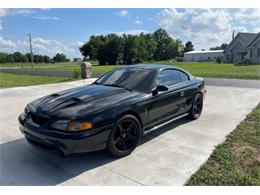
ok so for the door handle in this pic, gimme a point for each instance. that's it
(182, 93)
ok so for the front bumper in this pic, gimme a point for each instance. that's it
(67, 143)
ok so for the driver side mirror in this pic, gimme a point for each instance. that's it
(159, 88)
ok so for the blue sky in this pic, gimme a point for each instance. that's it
(64, 30)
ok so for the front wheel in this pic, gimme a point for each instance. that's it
(197, 106)
(125, 136)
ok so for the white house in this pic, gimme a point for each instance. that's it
(203, 56)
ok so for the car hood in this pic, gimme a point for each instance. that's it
(81, 100)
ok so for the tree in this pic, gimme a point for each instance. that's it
(175, 49)
(60, 58)
(188, 47)
(221, 47)
(108, 51)
(130, 49)
(163, 43)
(77, 59)
(38, 59)
(3, 57)
(90, 49)
(10, 58)
(28, 55)
(46, 59)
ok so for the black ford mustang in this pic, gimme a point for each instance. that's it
(114, 111)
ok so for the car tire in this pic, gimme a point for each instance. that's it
(125, 136)
(197, 107)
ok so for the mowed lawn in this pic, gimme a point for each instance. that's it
(218, 70)
(202, 69)
(198, 69)
(15, 80)
(237, 160)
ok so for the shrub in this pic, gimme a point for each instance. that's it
(244, 62)
(179, 59)
(219, 60)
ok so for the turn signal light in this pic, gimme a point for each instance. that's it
(80, 126)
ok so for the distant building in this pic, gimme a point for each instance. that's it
(244, 46)
(203, 56)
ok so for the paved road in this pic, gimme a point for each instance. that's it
(169, 156)
(233, 82)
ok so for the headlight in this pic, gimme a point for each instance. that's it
(72, 126)
(60, 125)
(26, 110)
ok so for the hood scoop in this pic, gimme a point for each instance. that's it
(54, 95)
(68, 103)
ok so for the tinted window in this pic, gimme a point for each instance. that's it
(139, 79)
(184, 76)
(168, 78)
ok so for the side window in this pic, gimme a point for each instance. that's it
(168, 78)
(184, 76)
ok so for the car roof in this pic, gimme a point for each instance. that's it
(157, 67)
(151, 66)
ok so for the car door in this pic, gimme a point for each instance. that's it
(165, 104)
(186, 92)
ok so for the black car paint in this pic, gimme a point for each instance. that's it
(103, 105)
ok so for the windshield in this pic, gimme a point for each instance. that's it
(138, 79)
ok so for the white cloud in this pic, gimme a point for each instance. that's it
(41, 46)
(3, 12)
(79, 43)
(122, 13)
(26, 13)
(131, 32)
(138, 21)
(251, 16)
(23, 12)
(52, 46)
(7, 44)
(45, 17)
(207, 27)
(257, 29)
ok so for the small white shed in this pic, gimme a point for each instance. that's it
(203, 56)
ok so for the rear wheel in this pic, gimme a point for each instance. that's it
(197, 106)
(125, 136)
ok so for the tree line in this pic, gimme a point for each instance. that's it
(130, 49)
(223, 46)
(18, 57)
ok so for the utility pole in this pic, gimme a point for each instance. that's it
(30, 41)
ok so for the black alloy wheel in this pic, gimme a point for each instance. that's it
(125, 136)
(197, 106)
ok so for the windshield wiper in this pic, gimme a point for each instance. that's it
(96, 83)
(114, 85)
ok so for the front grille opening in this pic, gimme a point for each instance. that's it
(39, 120)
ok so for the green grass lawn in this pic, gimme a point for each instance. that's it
(203, 69)
(237, 160)
(215, 70)
(198, 69)
(15, 80)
